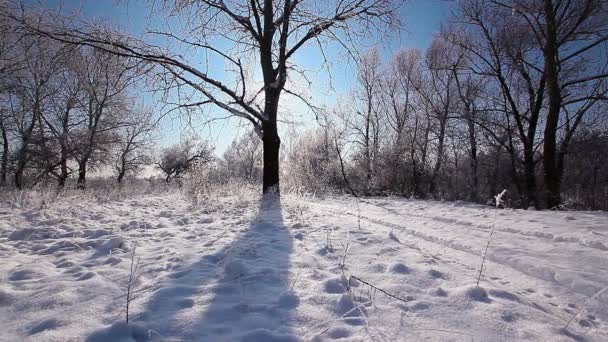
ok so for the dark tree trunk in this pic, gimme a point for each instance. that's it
(438, 162)
(552, 174)
(122, 170)
(343, 170)
(121, 176)
(82, 174)
(4, 162)
(473, 196)
(272, 145)
(21, 163)
(63, 176)
(63, 165)
(19, 169)
(22, 156)
(530, 176)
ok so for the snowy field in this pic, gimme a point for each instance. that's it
(234, 268)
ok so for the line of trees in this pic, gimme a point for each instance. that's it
(257, 38)
(65, 110)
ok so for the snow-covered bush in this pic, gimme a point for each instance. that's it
(311, 163)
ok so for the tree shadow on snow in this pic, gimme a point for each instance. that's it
(241, 293)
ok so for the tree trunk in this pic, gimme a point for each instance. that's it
(121, 176)
(63, 165)
(82, 174)
(4, 162)
(63, 176)
(343, 170)
(552, 176)
(20, 168)
(21, 163)
(122, 170)
(272, 145)
(438, 162)
(530, 176)
(473, 196)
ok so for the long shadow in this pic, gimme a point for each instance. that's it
(240, 293)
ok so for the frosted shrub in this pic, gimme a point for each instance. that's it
(498, 199)
(196, 186)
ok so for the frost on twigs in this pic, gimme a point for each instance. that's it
(131, 285)
(498, 199)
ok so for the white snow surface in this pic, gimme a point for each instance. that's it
(301, 269)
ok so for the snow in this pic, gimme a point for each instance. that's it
(240, 268)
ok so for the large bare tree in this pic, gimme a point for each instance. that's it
(572, 37)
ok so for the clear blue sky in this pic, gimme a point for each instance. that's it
(422, 20)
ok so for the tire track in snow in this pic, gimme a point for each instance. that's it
(537, 272)
(595, 244)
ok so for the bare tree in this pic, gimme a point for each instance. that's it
(133, 141)
(364, 118)
(32, 92)
(399, 104)
(177, 160)
(469, 87)
(61, 118)
(243, 158)
(105, 79)
(437, 91)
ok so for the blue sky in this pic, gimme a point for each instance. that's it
(422, 19)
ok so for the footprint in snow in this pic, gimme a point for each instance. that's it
(438, 274)
(510, 317)
(399, 268)
(338, 333)
(84, 276)
(113, 261)
(180, 274)
(569, 311)
(185, 303)
(420, 306)
(439, 292)
(24, 275)
(378, 268)
(335, 285)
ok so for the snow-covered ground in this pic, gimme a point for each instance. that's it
(235, 268)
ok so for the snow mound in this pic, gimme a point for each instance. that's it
(120, 331)
(115, 243)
